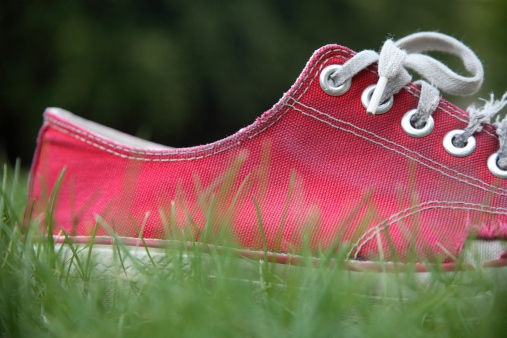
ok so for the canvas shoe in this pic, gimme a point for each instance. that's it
(353, 159)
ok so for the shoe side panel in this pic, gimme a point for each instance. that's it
(322, 173)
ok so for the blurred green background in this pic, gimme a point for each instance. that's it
(185, 72)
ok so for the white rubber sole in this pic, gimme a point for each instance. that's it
(131, 261)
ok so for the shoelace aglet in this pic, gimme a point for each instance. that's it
(377, 95)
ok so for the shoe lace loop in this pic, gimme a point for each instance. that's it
(407, 53)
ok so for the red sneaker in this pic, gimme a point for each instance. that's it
(391, 173)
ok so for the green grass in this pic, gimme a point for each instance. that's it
(45, 291)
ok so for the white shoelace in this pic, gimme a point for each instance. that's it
(396, 57)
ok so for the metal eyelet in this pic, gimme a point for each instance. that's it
(327, 84)
(408, 128)
(455, 151)
(366, 97)
(493, 166)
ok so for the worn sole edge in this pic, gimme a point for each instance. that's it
(470, 263)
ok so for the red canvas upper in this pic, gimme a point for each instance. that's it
(319, 168)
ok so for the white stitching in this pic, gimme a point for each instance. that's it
(390, 221)
(139, 158)
(394, 143)
(399, 152)
(146, 152)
